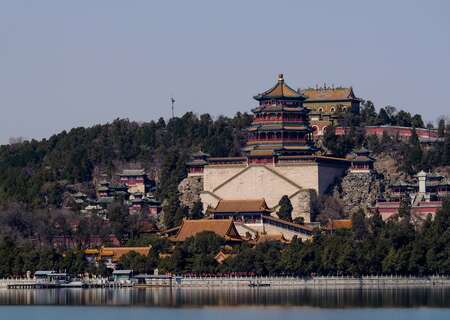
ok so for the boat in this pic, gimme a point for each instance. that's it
(258, 284)
(73, 284)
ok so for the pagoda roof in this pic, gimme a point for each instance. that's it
(275, 108)
(197, 162)
(118, 186)
(362, 159)
(79, 195)
(261, 153)
(250, 205)
(280, 91)
(223, 228)
(361, 151)
(329, 94)
(284, 126)
(132, 173)
(200, 154)
(105, 200)
(401, 183)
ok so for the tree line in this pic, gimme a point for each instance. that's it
(37, 173)
(401, 245)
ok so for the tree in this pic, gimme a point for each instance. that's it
(197, 210)
(412, 154)
(117, 213)
(134, 261)
(441, 127)
(285, 209)
(181, 213)
(417, 122)
(170, 210)
(383, 117)
(403, 119)
(368, 113)
(359, 225)
(329, 208)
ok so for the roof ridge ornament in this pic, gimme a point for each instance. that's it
(280, 78)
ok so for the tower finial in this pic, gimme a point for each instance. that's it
(280, 77)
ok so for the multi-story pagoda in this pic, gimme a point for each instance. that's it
(278, 161)
(280, 126)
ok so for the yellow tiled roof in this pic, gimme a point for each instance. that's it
(328, 94)
(280, 90)
(252, 205)
(91, 251)
(223, 228)
(117, 252)
(339, 224)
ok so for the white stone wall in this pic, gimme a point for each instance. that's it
(208, 200)
(305, 175)
(257, 182)
(213, 176)
(269, 182)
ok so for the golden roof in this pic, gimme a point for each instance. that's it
(339, 224)
(117, 252)
(91, 251)
(280, 90)
(322, 94)
(253, 205)
(278, 237)
(223, 228)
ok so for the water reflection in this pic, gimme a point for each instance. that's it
(185, 297)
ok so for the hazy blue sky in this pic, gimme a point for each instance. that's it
(70, 63)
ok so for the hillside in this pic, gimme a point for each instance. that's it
(36, 173)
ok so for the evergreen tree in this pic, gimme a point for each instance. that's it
(197, 210)
(285, 209)
(441, 127)
(417, 122)
(383, 117)
(359, 225)
(181, 213)
(170, 209)
(412, 154)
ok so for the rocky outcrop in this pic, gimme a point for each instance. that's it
(358, 190)
(304, 202)
(387, 166)
(189, 189)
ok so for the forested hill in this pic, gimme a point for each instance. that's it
(35, 173)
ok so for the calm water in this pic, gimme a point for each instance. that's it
(235, 304)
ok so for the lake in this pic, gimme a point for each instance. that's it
(230, 303)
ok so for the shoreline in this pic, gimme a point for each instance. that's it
(365, 282)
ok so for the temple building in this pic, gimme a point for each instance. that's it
(253, 220)
(223, 228)
(135, 180)
(278, 159)
(426, 194)
(361, 161)
(326, 105)
(280, 124)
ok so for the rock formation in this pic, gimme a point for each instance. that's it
(189, 189)
(358, 190)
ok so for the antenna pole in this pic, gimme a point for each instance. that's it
(172, 100)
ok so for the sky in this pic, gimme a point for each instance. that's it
(65, 64)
